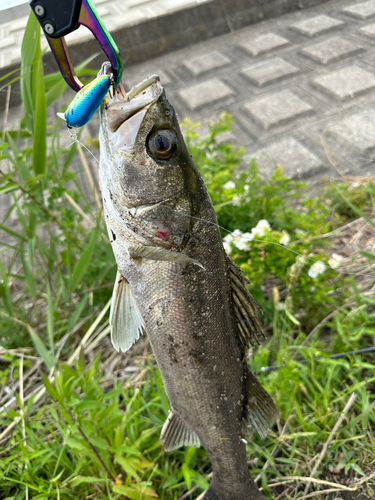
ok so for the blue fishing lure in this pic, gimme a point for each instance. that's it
(87, 101)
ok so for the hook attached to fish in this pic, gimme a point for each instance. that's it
(61, 17)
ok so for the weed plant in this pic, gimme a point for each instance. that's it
(74, 423)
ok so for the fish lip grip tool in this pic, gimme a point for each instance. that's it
(60, 17)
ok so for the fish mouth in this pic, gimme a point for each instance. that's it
(139, 98)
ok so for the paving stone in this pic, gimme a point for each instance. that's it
(350, 141)
(263, 44)
(346, 82)
(316, 25)
(206, 62)
(270, 71)
(363, 10)
(204, 94)
(297, 161)
(368, 30)
(277, 109)
(332, 50)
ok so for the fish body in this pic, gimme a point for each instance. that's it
(176, 283)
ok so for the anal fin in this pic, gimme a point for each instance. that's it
(261, 410)
(162, 254)
(125, 318)
(175, 433)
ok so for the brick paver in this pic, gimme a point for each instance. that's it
(301, 87)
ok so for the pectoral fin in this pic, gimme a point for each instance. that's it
(175, 433)
(245, 308)
(125, 319)
(157, 253)
(261, 410)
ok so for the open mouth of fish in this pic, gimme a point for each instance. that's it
(125, 116)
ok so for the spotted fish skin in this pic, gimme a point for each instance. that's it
(87, 101)
(176, 284)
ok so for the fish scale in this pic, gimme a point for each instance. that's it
(176, 284)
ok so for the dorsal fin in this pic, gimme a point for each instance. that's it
(175, 433)
(261, 410)
(245, 308)
(125, 319)
(162, 254)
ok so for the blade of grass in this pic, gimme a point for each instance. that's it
(84, 262)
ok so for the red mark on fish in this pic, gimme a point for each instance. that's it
(163, 234)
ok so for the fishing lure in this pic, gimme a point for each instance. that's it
(87, 101)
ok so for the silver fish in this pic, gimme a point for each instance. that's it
(176, 283)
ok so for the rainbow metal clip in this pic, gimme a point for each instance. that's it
(60, 17)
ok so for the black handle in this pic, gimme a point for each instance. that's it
(57, 17)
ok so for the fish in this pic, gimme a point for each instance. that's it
(176, 284)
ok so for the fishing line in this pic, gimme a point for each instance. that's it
(272, 243)
(266, 369)
(73, 134)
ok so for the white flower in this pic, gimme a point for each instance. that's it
(335, 260)
(355, 184)
(227, 247)
(246, 188)
(229, 185)
(263, 227)
(228, 238)
(231, 238)
(281, 306)
(236, 201)
(244, 242)
(285, 239)
(317, 268)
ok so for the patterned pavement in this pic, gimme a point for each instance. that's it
(301, 87)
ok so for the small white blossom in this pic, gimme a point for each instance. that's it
(229, 185)
(244, 242)
(355, 184)
(228, 238)
(263, 227)
(246, 188)
(285, 239)
(227, 247)
(316, 269)
(335, 260)
(236, 201)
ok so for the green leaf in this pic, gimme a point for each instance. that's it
(41, 348)
(29, 277)
(50, 321)
(370, 256)
(5, 290)
(187, 473)
(129, 492)
(10, 186)
(40, 121)
(30, 43)
(127, 467)
(86, 479)
(84, 262)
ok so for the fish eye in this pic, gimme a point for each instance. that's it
(162, 144)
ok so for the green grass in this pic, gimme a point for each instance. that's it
(76, 424)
